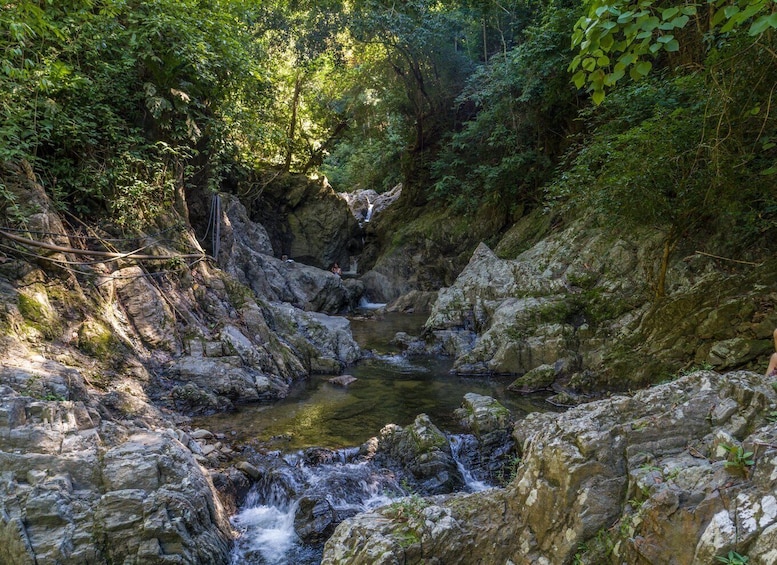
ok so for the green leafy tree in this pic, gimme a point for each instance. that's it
(115, 103)
(617, 37)
(523, 110)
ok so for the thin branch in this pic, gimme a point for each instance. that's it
(727, 259)
(130, 255)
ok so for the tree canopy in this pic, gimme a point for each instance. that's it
(643, 112)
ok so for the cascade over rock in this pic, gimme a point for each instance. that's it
(628, 479)
(366, 204)
(422, 450)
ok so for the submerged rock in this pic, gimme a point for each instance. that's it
(342, 380)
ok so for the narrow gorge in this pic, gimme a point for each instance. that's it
(110, 369)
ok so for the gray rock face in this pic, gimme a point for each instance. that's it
(248, 256)
(625, 480)
(325, 343)
(307, 221)
(78, 490)
(491, 456)
(147, 309)
(499, 300)
(579, 301)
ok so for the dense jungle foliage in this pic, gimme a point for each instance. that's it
(645, 112)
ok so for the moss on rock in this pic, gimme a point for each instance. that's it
(96, 340)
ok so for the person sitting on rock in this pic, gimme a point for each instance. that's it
(771, 371)
(338, 271)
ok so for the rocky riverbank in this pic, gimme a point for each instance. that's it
(678, 473)
(103, 362)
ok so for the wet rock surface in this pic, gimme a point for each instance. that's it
(99, 374)
(423, 451)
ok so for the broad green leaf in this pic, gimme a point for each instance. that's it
(644, 67)
(718, 17)
(598, 96)
(759, 26)
(651, 24)
(579, 79)
(680, 21)
(669, 13)
(763, 23)
(665, 38)
(589, 64)
(672, 46)
(730, 11)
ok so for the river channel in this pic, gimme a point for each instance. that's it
(390, 388)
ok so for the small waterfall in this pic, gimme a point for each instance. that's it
(367, 305)
(370, 208)
(266, 524)
(471, 483)
(354, 268)
(267, 520)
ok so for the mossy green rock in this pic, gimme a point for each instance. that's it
(539, 378)
(37, 310)
(96, 339)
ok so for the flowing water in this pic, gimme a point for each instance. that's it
(390, 388)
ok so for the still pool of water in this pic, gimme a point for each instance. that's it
(390, 388)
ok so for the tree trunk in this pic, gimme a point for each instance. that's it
(293, 122)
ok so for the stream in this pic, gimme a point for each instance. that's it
(312, 475)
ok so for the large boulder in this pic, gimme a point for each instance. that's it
(423, 451)
(415, 245)
(307, 221)
(248, 256)
(655, 477)
(324, 343)
(492, 457)
(76, 489)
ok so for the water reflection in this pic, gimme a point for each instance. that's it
(390, 389)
